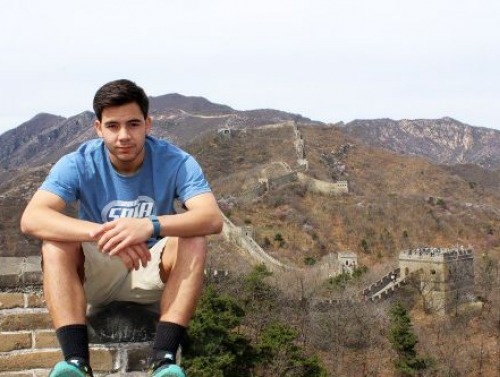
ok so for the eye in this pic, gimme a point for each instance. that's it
(111, 125)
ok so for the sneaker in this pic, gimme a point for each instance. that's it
(165, 367)
(71, 368)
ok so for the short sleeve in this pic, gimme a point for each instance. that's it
(190, 180)
(63, 179)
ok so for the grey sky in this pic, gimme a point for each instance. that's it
(327, 60)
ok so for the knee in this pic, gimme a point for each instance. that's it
(62, 254)
(195, 247)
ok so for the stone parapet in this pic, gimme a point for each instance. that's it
(323, 187)
(252, 248)
(436, 254)
(29, 346)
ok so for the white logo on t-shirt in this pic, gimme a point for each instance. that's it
(141, 207)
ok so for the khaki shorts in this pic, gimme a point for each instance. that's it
(107, 279)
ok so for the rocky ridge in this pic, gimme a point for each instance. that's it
(444, 141)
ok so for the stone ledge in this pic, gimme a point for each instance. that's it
(109, 358)
(121, 337)
(19, 272)
(103, 359)
(22, 374)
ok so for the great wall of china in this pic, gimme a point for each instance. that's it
(29, 347)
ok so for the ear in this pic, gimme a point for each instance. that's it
(97, 128)
(149, 124)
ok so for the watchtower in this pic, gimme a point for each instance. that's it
(348, 262)
(445, 276)
(224, 133)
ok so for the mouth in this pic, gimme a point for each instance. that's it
(124, 149)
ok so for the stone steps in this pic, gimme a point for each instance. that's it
(29, 346)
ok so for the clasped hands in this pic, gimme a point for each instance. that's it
(126, 238)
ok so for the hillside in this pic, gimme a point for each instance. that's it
(445, 141)
(395, 201)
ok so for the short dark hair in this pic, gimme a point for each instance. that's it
(117, 93)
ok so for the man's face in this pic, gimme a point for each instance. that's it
(124, 129)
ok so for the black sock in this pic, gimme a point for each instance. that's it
(167, 339)
(74, 341)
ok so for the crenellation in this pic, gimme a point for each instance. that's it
(437, 253)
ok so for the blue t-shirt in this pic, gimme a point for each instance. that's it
(87, 176)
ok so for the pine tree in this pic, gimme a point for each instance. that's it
(216, 349)
(404, 340)
(282, 356)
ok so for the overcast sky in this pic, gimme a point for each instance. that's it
(332, 60)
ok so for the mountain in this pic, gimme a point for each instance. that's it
(16, 139)
(411, 184)
(46, 137)
(395, 171)
(189, 104)
(43, 139)
(445, 141)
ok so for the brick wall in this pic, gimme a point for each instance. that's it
(29, 347)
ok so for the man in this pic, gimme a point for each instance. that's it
(127, 243)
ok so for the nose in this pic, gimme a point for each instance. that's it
(123, 134)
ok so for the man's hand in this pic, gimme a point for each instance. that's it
(135, 255)
(126, 238)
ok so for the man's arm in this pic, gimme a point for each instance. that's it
(203, 217)
(43, 219)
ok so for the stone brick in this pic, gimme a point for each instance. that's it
(19, 361)
(10, 270)
(104, 359)
(9, 281)
(33, 264)
(15, 341)
(138, 358)
(11, 300)
(46, 339)
(25, 321)
(36, 300)
(32, 279)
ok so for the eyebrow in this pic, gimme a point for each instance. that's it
(133, 120)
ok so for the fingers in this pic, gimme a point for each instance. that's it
(115, 235)
(144, 254)
(114, 240)
(135, 256)
(127, 260)
(108, 238)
